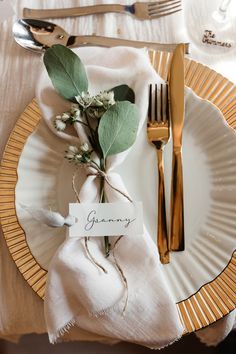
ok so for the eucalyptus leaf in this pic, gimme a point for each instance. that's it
(66, 71)
(123, 93)
(118, 128)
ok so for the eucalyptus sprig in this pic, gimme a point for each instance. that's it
(110, 118)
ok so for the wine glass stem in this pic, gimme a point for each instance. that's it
(224, 5)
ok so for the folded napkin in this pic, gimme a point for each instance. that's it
(78, 293)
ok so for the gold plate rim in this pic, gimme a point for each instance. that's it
(214, 299)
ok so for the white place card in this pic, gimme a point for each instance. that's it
(106, 219)
(6, 10)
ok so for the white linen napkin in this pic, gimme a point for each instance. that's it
(77, 292)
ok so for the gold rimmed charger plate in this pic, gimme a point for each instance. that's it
(213, 300)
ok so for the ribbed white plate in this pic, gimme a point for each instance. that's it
(209, 160)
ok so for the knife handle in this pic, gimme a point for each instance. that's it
(78, 41)
(177, 203)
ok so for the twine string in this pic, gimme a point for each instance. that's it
(86, 239)
(99, 173)
(123, 277)
(73, 185)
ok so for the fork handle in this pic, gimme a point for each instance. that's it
(177, 204)
(162, 236)
(73, 11)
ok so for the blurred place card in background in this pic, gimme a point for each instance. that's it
(6, 10)
(106, 219)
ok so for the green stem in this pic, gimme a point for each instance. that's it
(103, 200)
(90, 130)
(94, 138)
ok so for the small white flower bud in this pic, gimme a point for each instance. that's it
(74, 107)
(97, 102)
(77, 113)
(84, 147)
(73, 149)
(85, 95)
(60, 125)
(111, 99)
(69, 156)
(65, 116)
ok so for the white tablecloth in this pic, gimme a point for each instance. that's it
(21, 310)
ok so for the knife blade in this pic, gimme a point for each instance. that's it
(176, 90)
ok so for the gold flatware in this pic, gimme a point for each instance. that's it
(176, 88)
(37, 36)
(140, 10)
(158, 135)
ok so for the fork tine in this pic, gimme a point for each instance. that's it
(163, 4)
(150, 104)
(167, 110)
(158, 9)
(161, 104)
(167, 105)
(163, 14)
(164, 101)
(156, 103)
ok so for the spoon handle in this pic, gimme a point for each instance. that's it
(78, 41)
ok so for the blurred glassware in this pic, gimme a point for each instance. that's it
(221, 14)
(211, 27)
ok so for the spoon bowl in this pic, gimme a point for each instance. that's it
(37, 35)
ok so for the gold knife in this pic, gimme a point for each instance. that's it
(176, 89)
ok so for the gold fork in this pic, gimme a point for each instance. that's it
(158, 134)
(140, 10)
